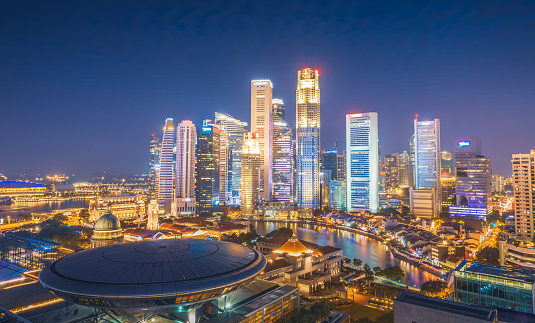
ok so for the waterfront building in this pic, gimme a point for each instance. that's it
(494, 286)
(404, 170)
(447, 187)
(107, 231)
(276, 210)
(498, 184)
(338, 195)
(523, 183)
(391, 169)
(167, 170)
(427, 157)
(152, 216)
(473, 178)
(155, 146)
(262, 124)
(186, 138)
(308, 124)
(283, 152)
(207, 169)
(21, 189)
(124, 206)
(362, 155)
(236, 130)
(446, 163)
(423, 203)
(251, 164)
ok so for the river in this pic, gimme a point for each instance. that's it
(40, 207)
(354, 245)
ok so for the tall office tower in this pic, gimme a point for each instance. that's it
(391, 169)
(152, 216)
(412, 160)
(283, 162)
(224, 155)
(154, 161)
(446, 163)
(524, 190)
(362, 170)
(236, 131)
(186, 138)
(251, 163)
(473, 175)
(498, 184)
(308, 126)
(404, 169)
(341, 172)
(207, 169)
(330, 161)
(447, 186)
(427, 157)
(338, 195)
(325, 188)
(167, 171)
(262, 124)
(278, 109)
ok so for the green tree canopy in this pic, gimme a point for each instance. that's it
(489, 255)
(281, 232)
(433, 287)
(392, 273)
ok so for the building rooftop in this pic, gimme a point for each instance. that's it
(478, 312)
(19, 184)
(325, 250)
(518, 274)
(294, 246)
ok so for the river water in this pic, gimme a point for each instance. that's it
(43, 207)
(366, 249)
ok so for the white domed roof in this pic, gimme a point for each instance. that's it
(107, 222)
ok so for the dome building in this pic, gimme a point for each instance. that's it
(107, 231)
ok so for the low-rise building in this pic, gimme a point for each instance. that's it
(21, 189)
(124, 206)
(514, 253)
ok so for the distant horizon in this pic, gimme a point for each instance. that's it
(82, 89)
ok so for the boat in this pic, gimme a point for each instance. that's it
(5, 200)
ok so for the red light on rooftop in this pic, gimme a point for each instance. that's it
(152, 135)
(356, 115)
(317, 72)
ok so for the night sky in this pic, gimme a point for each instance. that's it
(83, 84)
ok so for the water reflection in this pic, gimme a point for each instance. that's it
(368, 250)
(43, 207)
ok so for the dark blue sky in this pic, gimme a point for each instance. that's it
(84, 83)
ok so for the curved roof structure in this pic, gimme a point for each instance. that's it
(107, 222)
(19, 184)
(149, 275)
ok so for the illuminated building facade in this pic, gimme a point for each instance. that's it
(107, 231)
(427, 157)
(224, 153)
(207, 169)
(446, 163)
(155, 146)
(447, 187)
(473, 179)
(124, 206)
(325, 188)
(308, 126)
(338, 195)
(20, 189)
(262, 124)
(404, 170)
(186, 138)
(391, 169)
(498, 184)
(283, 152)
(524, 190)
(167, 171)
(236, 130)
(362, 166)
(251, 163)
(152, 216)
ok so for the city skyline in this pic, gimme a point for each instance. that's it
(79, 92)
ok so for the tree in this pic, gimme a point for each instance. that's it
(225, 218)
(433, 287)
(489, 255)
(347, 260)
(281, 232)
(493, 217)
(357, 262)
(316, 311)
(376, 269)
(368, 274)
(444, 216)
(391, 273)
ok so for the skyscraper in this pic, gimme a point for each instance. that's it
(391, 169)
(154, 161)
(446, 163)
(236, 130)
(167, 171)
(404, 169)
(524, 184)
(362, 156)
(338, 195)
(473, 175)
(283, 151)
(308, 137)
(427, 158)
(262, 124)
(278, 109)
(251, 162)
(207, 169)
(224, 154)
(186, 138)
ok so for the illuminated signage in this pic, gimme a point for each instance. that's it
(206, 129)
(462, 144)
(358, 115)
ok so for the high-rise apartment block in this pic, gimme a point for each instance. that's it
(186, 138)
(167, 171)
(155, 147)
(362, 156)
(498, 184)
(473, 175)
(524, 191)
(224, 153)
(251, 163)
(308, 137)
(426, 145)
(404, 170)
(283, 152)
(236, 130)
(262, 124)
(391, 169)
(207, 168)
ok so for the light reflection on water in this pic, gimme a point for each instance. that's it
(366, 249)
(44, 207)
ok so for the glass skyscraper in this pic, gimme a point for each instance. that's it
(167, 171)
(251, 161)
(283, 151)
(236, 130)
(362, 159)
(186, 139)
(308, 137)
(155, 147)
(207, 169)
